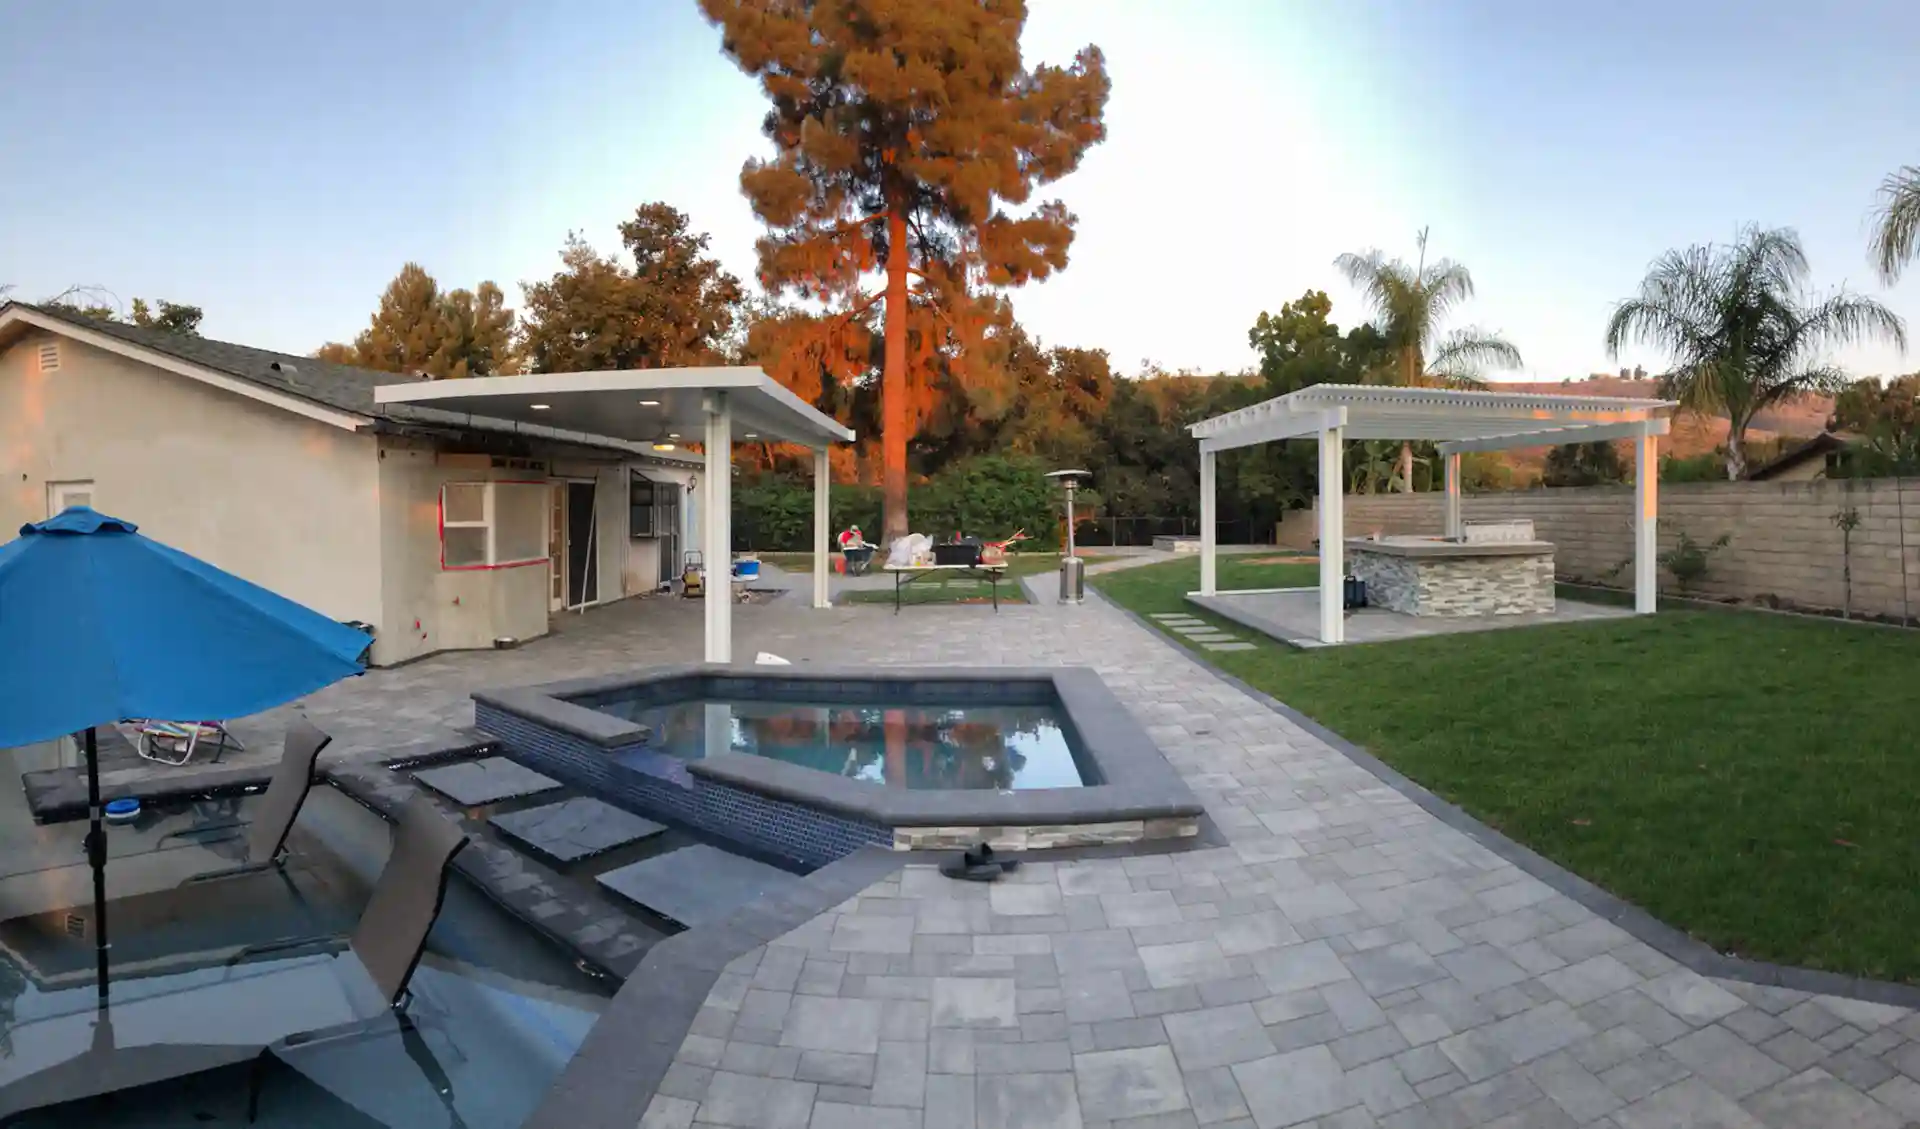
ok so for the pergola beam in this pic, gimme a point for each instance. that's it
(1277, 426)
(1583, 433)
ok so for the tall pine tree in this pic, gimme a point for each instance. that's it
(905, 130)
(418, 328)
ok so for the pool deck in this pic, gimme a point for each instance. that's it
(1351, 957)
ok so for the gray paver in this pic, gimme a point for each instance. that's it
(696, 884)
(576, 828)
(1129, 1083)
(979, 1002)
(486, 781)
(1220, 1036)
(1026, 1101)
(818, 1023)
(1288, 1088)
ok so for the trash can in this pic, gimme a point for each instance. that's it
(1073, 580)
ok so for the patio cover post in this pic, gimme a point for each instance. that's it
(1207, 521)
(1646, 522)
(1333, 532)
(719, 549)
(1453, 495)
(821, 520)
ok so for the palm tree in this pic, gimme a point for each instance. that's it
(1736, 321)
(1896, 240)
(1409, 305)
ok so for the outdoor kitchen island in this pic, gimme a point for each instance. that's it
(1496, 569)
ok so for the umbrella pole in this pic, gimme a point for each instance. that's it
(97, 858)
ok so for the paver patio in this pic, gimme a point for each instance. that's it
(1347, 960)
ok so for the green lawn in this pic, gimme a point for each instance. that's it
(1752, 779)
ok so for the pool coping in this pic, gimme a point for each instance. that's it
(1135, 781)
(1668, 940)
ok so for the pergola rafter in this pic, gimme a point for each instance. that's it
(1458, 421)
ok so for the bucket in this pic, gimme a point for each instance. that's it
(748, 569)
(122, 811)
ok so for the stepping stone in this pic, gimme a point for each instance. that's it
(1195, 629)
(1228, 646)
(574, 829)
(1214, 637)
(1169, 615)
(473, 783)
(695, 885)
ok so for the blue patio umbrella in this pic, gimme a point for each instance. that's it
(98, 623)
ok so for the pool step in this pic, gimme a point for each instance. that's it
(697, 884)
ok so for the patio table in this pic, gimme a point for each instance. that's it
(904, 575)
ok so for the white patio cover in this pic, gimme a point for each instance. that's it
(1458, 421)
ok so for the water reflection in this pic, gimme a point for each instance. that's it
(900, 746)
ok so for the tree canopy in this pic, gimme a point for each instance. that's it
(418, 328)
(1410, 304)
(1742, 330)
(1896, 233)
(906, 135)
(673, 306)
(100, 304)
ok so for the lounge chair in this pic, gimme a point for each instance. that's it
(174, 742)
(273, 817)
(64, 1047)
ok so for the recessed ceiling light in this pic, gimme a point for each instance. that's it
(649, 403)
(753, 435)
(539, 407)
(673, 435)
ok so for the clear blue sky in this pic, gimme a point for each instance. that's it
(276, 163)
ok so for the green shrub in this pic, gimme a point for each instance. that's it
(988, 497)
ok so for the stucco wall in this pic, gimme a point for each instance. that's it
(287, 502)
(1783, 544)
(426, 608)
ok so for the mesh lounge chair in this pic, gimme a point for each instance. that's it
(175, 742)
(158, 1028)
(273, 817)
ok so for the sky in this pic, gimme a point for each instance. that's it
(277, 163)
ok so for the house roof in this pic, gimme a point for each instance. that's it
(1817, 447)
(342, 387)
(307, 380)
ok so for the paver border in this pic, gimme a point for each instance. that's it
(619, 1066)
(1643, 926)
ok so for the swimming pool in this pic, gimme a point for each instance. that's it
(914, 745)
(812, 763)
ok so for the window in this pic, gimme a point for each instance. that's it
(640, 508)
(493, 524)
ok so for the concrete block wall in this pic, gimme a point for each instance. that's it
(1783, 544)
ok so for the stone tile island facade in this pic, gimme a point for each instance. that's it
(1484, 574)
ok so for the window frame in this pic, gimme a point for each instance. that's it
(489, 515)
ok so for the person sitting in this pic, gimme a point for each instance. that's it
(855, 553)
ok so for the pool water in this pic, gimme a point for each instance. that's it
(917, 745)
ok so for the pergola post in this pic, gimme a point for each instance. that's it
(1333, 525)
(822, 512)
(1454, 525)
(1646, 522)
(1208, 522)
(719, 548)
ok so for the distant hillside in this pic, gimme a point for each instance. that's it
(1692, 434)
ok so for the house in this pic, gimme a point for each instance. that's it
(1804, 462)
(442, 530)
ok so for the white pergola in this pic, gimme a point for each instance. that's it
(643, 407)
(1458, 421)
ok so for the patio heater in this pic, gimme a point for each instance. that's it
(1073, 576)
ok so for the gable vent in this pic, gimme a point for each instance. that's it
(50, 356)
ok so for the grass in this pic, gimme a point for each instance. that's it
(1752, 779)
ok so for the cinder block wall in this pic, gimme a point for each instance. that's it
(1783, 543)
